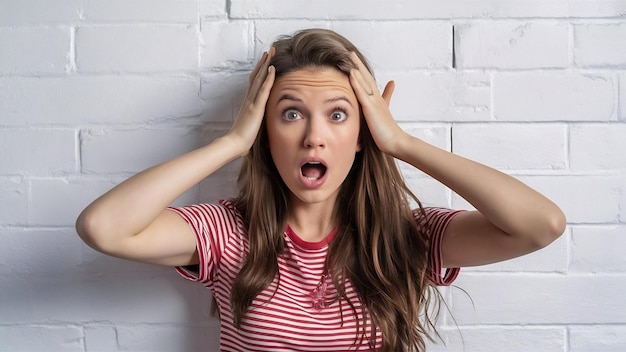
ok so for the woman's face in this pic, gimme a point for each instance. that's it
(313, 120)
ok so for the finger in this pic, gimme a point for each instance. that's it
(388, 91)
(356, 80)
(256, 69)
(266, 87)
(369, 79)
(260, 76)
(261, 66)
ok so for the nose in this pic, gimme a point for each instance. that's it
(315, 134)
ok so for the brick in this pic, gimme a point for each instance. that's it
(424, 44)
(436, 135)
(553, 258)
(105, 99)
(17, 307)
(622, 214)
(429, 192)
(57, 202)
(162, 11)
(216, 187)
(169, 338)
(428, 44)
(501, 338)
(538, 299)
(266, 32)
(600, 45)
(121, 298)
(101, 338)
(222, 184)
(123, 151)
(594, 147)
(439, 97)
(598, 249)
(573, 194)
(34, 50)
(124, 298)
(214, 53)
(622, 97)
(553, 96)
(512, 146)
(27, 252)
(37, 152)
(606, 338)
(223, 93)
(34, 12)
(13, 201)
(512, 45)
(420, 9)
(92, 261)
(212, 8)
(41, 338)
(127, 48)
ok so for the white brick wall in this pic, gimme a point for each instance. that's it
(92, 91)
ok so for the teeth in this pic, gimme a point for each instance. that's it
(314, 162)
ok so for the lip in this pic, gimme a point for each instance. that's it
(312, 184)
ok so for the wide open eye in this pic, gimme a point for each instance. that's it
(291, 115)
(338, 116)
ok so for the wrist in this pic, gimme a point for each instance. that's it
(232, 145)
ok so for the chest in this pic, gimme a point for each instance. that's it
(300, 308)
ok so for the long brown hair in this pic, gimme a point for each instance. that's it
(379, 246)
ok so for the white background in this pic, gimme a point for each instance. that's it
(92, 91)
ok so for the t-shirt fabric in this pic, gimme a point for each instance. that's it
(296, 312)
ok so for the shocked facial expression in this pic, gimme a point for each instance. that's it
(313, 120)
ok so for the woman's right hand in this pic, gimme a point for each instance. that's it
(248, 122)
(130, 220)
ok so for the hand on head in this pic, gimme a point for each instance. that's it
(375, 105)
(248, 121)
(380, 122)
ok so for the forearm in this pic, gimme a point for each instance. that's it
(134, 204)
(506, 202)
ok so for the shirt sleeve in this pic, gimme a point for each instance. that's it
(435, 223)
(213, 225)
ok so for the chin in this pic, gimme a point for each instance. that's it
(314, 197)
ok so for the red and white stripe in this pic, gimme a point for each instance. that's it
(282, 317)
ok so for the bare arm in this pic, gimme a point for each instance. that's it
(511, 219)
(131, 221)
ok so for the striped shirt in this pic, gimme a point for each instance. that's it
(297, 311)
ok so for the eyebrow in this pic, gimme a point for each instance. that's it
(331, 100)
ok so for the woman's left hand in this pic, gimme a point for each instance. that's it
(382, 125)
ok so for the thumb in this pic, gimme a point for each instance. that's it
(388, 91)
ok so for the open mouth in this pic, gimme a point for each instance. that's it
(313, 170)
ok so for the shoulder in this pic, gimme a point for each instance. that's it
(434, 219)
(222, 216)
(432, 223)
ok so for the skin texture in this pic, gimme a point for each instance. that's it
(313, 114)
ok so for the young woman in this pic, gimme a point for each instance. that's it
(320, 251)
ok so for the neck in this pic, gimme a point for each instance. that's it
(312, 222)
